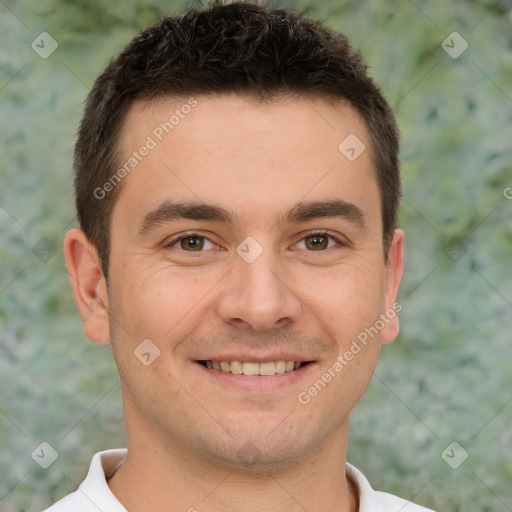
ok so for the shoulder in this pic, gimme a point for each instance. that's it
(94, 493)
(371, 500)
(393, 503)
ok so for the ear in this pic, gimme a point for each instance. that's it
(392, 278)
(88, 284)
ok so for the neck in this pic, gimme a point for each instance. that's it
(160, 475)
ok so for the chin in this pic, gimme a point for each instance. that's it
(259, 452)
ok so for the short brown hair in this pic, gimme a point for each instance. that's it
(239, 47)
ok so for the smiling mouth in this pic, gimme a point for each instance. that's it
(246, 368)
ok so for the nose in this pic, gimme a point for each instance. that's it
(258, 294)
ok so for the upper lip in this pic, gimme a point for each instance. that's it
(267, 358)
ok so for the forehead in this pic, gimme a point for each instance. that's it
(237, 151)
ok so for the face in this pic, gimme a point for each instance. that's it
(244, 239)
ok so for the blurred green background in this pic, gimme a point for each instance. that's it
(447, 378)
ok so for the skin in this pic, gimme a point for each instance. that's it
(190, 433)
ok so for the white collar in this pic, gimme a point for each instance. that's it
(94, 489)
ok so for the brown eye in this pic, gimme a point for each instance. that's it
(317, 242)
(192, 243)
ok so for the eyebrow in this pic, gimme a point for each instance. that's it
(169, 211)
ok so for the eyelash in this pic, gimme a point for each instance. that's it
(174, 241)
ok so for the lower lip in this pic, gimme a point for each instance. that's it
(257, 383)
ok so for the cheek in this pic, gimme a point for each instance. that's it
(157, 305)
(347, 299)
(161, 300)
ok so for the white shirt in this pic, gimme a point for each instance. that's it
(94, 494)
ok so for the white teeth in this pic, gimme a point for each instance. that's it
(250, 368)
(236, 367)
(239, 367)
(267, 368)
(280, 366)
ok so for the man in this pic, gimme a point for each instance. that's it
(237, 187)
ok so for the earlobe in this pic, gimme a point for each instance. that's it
(393, 276)
(88, 284)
